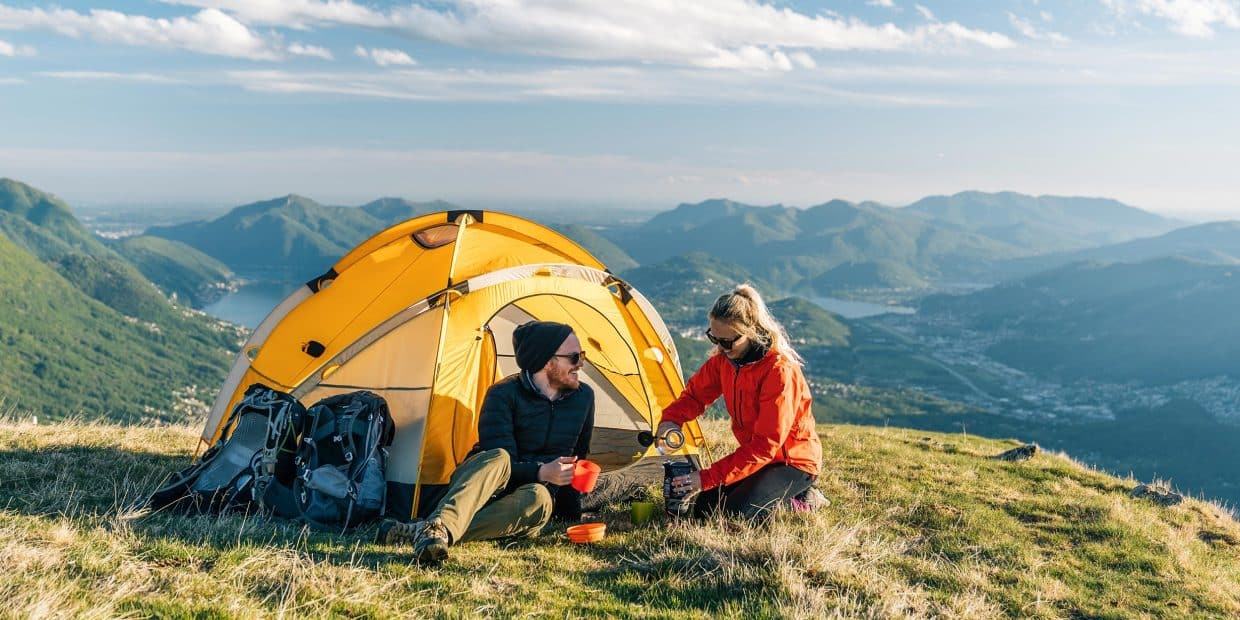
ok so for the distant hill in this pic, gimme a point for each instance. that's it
(854, 246)
(854, 276)
(790, 246)
(1214, 242)
(684, 288)
(1042, 224)
(178, 269)
(63, 353)
(292, 237)
(809, 324)
(608, 253)
(1158, 321)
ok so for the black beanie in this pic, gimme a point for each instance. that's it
(536, 342)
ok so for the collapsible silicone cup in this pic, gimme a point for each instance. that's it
(641, 512)
(585, 474)
(587, 532)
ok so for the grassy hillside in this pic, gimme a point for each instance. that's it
(194, 278)
(921, 525)
(63, 353)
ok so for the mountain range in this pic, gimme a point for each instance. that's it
(292, 237)
(840, 246)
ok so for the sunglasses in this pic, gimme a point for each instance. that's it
(726, 343)
(573, 358)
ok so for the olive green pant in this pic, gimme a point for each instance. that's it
(471, 511)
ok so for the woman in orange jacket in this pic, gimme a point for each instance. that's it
(759, 376)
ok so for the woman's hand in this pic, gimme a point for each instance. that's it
(660, 436)
(688, 484)
(558, 472)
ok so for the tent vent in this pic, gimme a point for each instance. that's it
(322, 281)
(477, 215)
(314, 348)
(435, 236)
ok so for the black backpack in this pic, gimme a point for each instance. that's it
(258, 450)
(341, 462)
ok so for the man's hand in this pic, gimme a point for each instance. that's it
(558, 472)
(688, 484)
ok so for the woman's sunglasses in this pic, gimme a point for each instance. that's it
(573, 358)
(726, 343)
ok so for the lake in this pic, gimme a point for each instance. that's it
(252, 302)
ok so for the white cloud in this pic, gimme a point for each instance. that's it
(1195, 18)
(731, 34)
(8, 81)
(385, 57)
(111, 76)
(926, 13)
(313, 51)
(1029, 31)
(297, 14)
(886, 4)
(10, 50)
(209, 31)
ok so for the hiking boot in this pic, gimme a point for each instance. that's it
(431, 547)
(393, 532)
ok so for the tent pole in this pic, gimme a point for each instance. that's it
(462, 222)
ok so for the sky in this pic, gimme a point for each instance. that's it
(623, 103)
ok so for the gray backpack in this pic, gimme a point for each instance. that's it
(341, 460)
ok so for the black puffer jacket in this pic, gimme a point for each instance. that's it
(533, 429)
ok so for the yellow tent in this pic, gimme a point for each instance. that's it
(423, 313)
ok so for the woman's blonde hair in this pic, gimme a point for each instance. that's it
(744, 310)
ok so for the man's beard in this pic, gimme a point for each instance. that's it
(562, 379)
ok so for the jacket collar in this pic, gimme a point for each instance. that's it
(755, 353)
(527, 381)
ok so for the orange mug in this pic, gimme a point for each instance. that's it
(585, 475)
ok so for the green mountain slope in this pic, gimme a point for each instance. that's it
(853, 276)
(920, 525)
(44, 226)
(179, 270)
(293, 237)
(684, 288)
(608, 253)
(63, 353)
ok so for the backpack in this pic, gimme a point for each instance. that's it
(341, 462)
(258, 449)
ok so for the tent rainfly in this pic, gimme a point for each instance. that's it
(423, 313)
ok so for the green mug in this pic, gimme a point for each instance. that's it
(641, 512)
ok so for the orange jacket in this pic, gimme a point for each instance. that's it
(769, 403)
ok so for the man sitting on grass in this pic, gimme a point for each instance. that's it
(533, 427)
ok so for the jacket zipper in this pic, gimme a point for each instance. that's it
(550, 423)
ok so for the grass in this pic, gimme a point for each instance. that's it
(921, 525)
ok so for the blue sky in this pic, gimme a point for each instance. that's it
(644, 103)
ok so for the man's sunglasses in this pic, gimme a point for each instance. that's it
(573, 358)
(726, 343)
